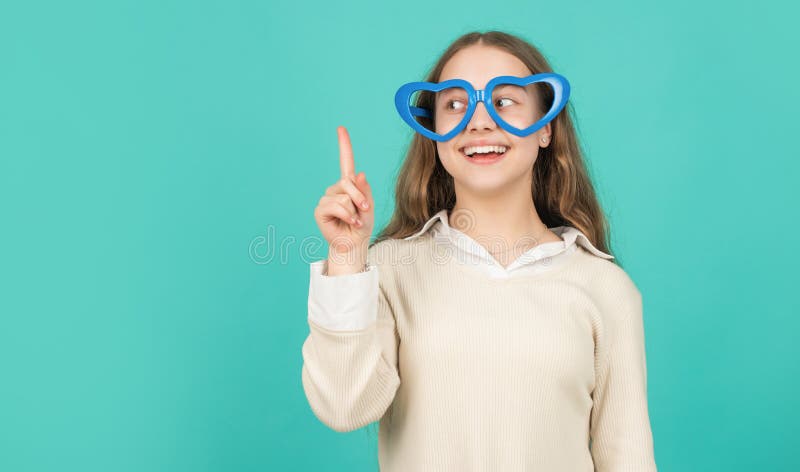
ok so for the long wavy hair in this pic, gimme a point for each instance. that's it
(562, 190)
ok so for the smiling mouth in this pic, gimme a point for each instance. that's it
(477, 156)
(485, 159)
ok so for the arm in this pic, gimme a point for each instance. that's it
(349, 372)
(620, 425)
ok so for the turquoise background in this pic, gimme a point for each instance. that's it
(160, 163)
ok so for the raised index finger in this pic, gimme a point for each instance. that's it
(346, 161)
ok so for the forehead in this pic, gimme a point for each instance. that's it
(478, 64)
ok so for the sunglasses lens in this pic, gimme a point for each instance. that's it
(522, 106)
(443, 110)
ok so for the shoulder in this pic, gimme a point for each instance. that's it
(397, 262)
(605, 274)
(392, 256)
(612, 290)
(389, 251)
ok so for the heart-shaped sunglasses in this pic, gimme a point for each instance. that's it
(440, 111)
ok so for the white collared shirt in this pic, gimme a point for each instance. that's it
(349, 302)
(537, 259)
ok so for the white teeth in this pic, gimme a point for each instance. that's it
(470, 150)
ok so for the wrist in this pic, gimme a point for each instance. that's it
(348, 262)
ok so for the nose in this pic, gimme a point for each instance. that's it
(481, 119)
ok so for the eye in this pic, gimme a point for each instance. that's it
(449, 106)
(503, 98)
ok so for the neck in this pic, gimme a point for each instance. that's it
(504, 222)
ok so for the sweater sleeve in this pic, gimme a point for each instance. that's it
(620, 430)
(350, 372)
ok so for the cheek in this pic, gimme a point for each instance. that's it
(528, 149)
(449, 158)
(446, 153)
(525, 150)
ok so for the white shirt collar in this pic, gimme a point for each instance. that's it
(569, 234)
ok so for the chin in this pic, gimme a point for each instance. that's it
(484, 183)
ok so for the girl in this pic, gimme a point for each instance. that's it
(487, 327)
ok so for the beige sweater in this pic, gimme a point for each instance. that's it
(469, 373)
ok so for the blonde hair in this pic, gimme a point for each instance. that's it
(562, 190)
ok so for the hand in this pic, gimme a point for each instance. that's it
(341, 218)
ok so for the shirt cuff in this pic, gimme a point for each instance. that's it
(342, 302)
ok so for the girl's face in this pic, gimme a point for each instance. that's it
(477, 65)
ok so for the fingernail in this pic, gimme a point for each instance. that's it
(358, 222)
(364, 205)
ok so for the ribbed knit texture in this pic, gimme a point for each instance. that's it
(468, 373)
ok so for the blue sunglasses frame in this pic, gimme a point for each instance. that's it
(407, 111)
